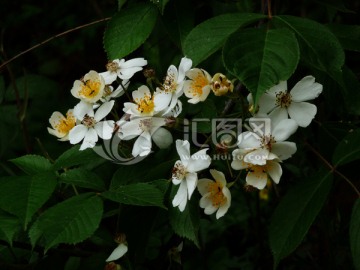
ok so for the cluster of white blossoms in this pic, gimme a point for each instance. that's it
(145, 118)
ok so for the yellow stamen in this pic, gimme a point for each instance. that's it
(198, 83)
(66, 124)
(90, 88)
(216, 196)
(145, 104)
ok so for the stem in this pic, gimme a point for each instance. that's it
(333, 168)
(269, 9)
(51, 38)
(75, 190)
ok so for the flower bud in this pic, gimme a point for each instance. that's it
(220, 85)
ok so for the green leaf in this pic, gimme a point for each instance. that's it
(143, 194)
(26, 194)
(348, 149)
(203, 122)
(9, 226)
(128, 29)
(296, 212)
(83, 178)
(32, 164)
(318, 45)
(348, 35)
(261, 58)
(355, 234)
(74, 157)
(71, 221)
(2, 89)
(335, 4)
(209, 36)
(127, 174)
(186, 223)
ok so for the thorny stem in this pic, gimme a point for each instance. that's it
(333, 168)
(52, 38)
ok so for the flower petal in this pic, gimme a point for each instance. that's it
(210, 209)
(142, 145)
(104, 110)
(181, 196)
(205, 200)
(283, 150)
(284, 129)
(257, 179)
(225, 207)
(77, 133)
(161, 100)
(203, 185)
(185, 65)
(183, 149)
(266, 103)
(277, 115)
(199, 161)
(83, 108)
(280, 87)
(117, 253)
(306, 89)
(218, 177)
(302, 113)
(274, 170)
(90, 139)
(105, 129)
(191, 183)
(249, 140)
(257, 157)
(109, 77)
(136, 62)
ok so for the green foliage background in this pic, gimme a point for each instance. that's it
(311, 219)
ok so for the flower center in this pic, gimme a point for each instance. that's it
(283, 99)
(267, 141)
(88, 121)
(107, 91)
(198, 84)
(179, 171)
(90, 88)
(169, 85)
(216, 196)
(145, 104)
(112, 66)
(66, 124)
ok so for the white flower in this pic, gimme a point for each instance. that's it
(122, 69)
(90, 88)
(145, 128)
(91, 126)
(281, 103)
(173, 85)
(257, 175)
(185, 172)
(61, 125)
(145, 104)
(110, 93)
(199, 85)
(216, 197)
(270, 144)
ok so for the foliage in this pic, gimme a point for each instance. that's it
(62, 207)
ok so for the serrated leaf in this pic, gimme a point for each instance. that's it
(9, 226)
(348, 149)
(26, 194)
(355, 234)
(127, 174)
(83, 178)
(74, 157)
(318, 45)
(71, 221)
(128, 29)
(261, 58)
(143, 194)
(209, 36)
(186, 223)
(32, 164)
(348, 35)
(296, 212)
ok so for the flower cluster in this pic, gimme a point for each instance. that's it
(152, 107)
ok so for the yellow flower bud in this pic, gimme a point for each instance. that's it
(221, 85)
